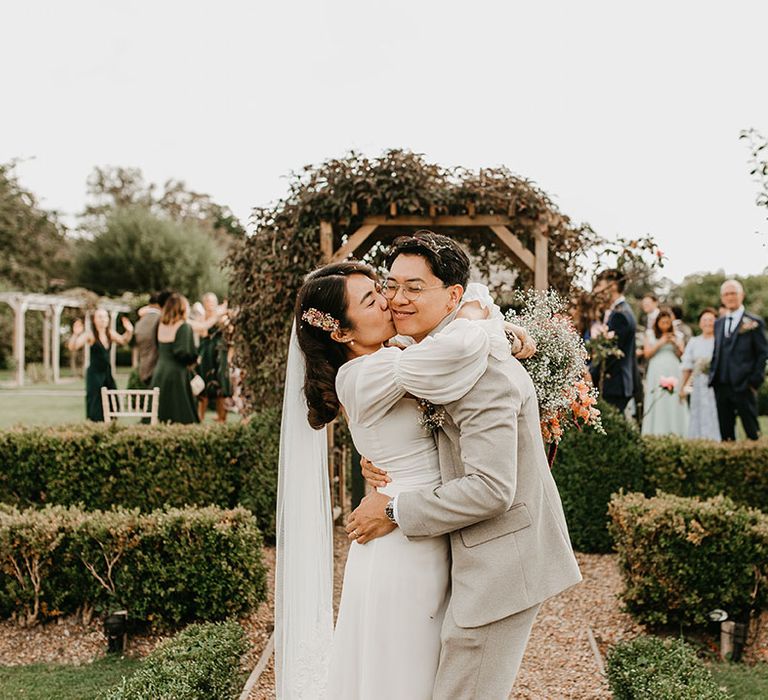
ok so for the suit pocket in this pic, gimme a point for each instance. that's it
(516, 518)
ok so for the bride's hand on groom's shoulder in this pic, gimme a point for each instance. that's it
(523, 346)
(376, 478)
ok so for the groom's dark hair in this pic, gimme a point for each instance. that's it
(446, 259)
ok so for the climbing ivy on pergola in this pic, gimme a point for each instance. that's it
(355, 206)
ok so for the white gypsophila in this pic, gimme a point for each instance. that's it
(560, 359)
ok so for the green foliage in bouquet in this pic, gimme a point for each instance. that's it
(200, 663)
(650, 667)
(147, 467)
(681, 557)
(166, 568)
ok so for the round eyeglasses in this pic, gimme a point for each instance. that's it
(411, 290)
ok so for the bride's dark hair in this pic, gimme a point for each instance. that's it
(324, 290)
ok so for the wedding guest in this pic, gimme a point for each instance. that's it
(697, 359)
(99, 372)
(738, 363)
(680, 325)
(649, 305)
(176, 354)
(618, 373)
(145, 334)
(664, 414)
(214, 356)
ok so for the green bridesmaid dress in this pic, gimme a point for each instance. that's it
(177, 403)
(99, 374)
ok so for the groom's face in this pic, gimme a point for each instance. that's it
(416, 314)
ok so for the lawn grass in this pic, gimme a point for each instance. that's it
(744, 682)
(64, 681)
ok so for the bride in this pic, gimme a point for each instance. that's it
(387, 639)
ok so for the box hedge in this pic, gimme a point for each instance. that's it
(99, 466)
(200, 663)
(682, 557)
(650, 668)
(591, 467)
(166, 567)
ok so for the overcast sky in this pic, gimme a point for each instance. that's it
(628, 114)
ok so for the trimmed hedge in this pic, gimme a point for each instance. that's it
(681, 557)
(651, 668)
(200, 663)
(166, 567)
(98, 466)
(703, 469)
(591, 467)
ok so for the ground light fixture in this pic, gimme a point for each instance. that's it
(116, 631)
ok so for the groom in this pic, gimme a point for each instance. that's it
(509, 540)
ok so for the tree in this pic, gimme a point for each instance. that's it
(700, 290)
(36, 253)
(138, 251)
(758, 146)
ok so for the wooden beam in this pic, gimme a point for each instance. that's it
(56, 342)
(326, 240)
(354, 242)
(427, 221)
(19, 313)
(513, 243)
(541, 272)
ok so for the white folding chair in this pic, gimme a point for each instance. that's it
(130, 403)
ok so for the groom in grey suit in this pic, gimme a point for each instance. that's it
(498, 502)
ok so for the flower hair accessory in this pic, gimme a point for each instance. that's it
(320, 320)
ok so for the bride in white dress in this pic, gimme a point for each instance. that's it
(386, 644)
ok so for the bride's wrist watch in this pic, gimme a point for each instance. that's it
(389, 511)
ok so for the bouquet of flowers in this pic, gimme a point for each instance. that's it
(559, 368)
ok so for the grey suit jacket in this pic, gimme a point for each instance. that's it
(145, 334)
(499, 502)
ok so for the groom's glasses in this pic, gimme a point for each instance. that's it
(411, 290)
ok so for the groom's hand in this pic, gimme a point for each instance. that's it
(369, 521)
(377, 478)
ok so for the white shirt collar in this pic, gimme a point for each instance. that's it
(736, 315)
(617, 302)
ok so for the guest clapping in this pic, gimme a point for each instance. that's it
(99, 372)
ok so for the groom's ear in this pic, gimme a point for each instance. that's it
(456, 292)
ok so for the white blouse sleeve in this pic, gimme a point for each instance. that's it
(481, 293)
(441, 368)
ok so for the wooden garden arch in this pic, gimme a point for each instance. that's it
(363, 238)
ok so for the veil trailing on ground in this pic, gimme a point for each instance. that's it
(304, 571)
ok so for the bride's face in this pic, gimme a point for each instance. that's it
(368, 312)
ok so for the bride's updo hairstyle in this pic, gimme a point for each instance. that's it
(324, 292)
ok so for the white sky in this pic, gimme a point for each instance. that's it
(628, 114)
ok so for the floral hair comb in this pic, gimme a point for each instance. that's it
(320, 320)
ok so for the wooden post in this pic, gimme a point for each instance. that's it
(47, 343)
(87, 347)
(326, 241)
(19, 312)
(541, 273)
(56, 343)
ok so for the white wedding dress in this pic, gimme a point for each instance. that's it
(386, 644)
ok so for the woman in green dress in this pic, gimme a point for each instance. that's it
(99, 372)
(214, 364)
(176, 355)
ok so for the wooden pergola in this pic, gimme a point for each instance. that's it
(52, 306)
(375, 228)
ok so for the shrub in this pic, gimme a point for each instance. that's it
(701, 468)
(589, 468)
(167, 567)
(649, 667)
(99, 466)
(200, 663)
(681, 557)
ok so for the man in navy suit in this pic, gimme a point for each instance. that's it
(738, 363)
(619, 379)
